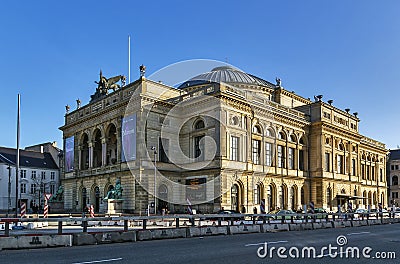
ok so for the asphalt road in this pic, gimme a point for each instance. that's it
(228, 249)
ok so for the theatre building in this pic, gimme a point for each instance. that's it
(224, 138)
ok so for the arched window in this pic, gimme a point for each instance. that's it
(256, 129)
(293, 138)
(395, 180)
(281, 135)
(301, 141)
(199, 124)
(269, 132)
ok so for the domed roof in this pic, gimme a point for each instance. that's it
(226, 74)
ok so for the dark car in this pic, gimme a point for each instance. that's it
(227, 215)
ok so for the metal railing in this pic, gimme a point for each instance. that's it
(175, 221)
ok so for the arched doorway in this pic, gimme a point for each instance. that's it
(293, 197)
(235, 201)
(96, 199)
(284, 197)
(271, 197)
(329, 198)
(162, 199)
(84, 198)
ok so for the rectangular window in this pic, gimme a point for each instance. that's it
(395, 195)
(268, 154)
(23, 188)
(368, 175)
(52, 189)
(256, 151)
(281, 157)
(381, 175)
(198, 146)
(373, 172)
(353, 167)
(256, 195)
(23, 174)
(33, 175)
(291, 158)
(392, 167)
(340, 167)
(163, 144)
(301, 160)
(43, 174)
(363, 171)
(327, 161)
(234, 148)
(52, 175)
(396, 167)
(33, 188)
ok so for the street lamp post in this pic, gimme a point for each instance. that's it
(155, 178)
(9, 190)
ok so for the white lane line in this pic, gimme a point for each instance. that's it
(270, 242)
(98, 261)
(359, 233)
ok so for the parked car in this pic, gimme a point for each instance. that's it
(279, 214)
(360, 212)
(320, 213)
(226, 214)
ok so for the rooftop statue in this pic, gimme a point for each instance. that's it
(104, 84)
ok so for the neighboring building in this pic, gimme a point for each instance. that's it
(393, 177)
(49, 147)
(271, 145)
(38, 172)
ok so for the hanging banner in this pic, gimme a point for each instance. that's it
(129, 138)
(69, 154)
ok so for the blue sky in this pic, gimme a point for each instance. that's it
(51, 52)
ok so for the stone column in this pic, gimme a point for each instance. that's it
(103, 152)
(90, 155)
(80, 157)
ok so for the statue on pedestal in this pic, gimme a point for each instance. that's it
(116, 192)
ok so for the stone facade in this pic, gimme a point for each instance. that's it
(393, 177)
(229, 143)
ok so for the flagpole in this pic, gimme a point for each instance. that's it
(17, 161)
(129, 59)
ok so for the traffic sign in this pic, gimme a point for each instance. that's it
(47, 196)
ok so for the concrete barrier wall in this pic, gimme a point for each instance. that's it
(374, 222)
(275, 227)
(300, 226)
(39, 241)
(160, 233)
(322, 225)
(339, 224)
(18, 242)
(244, 229)
(207, 231)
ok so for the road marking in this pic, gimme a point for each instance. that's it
(98, 261)
(271, 242)
(359, 233)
